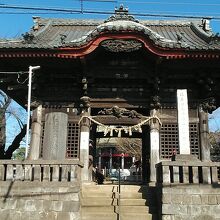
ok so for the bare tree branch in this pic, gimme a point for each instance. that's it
(16, 143)
(5, 101)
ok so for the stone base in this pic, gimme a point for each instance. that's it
(192, 202)
(185, 157)
(39, 201)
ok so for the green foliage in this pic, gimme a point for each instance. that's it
(19, 154)
(214, 139)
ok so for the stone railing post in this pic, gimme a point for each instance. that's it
(188, 172)
(35, 134)
(204, 141)
(40, 170)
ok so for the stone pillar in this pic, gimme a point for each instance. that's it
(84, 146)
(55, 136)
(35, 134)
(204, 143)
(154, 145)
(183, 121)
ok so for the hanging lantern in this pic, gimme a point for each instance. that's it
(139, 129)
(119, 132)
(106, 131)
(126, 130)
(111, 132)
(130, 131)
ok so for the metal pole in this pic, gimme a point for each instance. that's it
(119, 181)
(110, 161)
(122, 161)
(100, 160)
(119, 195)
(31, 69)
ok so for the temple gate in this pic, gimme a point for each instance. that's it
(124, 75)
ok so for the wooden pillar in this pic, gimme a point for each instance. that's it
(154, 145)
(35, 144)
(55, 136)
(204, 143)
(145, 154)
(84, 146)
(93, 138)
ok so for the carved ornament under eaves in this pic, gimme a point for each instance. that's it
(155, 102)
(208, 105)
(119, 112)
(121, 45)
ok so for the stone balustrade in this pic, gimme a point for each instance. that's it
(40, 170)
(188, 172)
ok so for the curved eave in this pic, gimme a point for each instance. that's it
(81, 51)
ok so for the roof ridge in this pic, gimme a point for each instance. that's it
(168, 22)
(70, 21)
(56, 21)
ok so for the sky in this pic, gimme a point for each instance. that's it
(14, 22)
(214, 121)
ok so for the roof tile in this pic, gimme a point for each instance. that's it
(185, 34)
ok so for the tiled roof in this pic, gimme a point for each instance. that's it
(194, 35)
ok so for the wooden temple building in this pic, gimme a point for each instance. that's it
(117, 72)
(118, 77)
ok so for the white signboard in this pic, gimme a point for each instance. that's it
(183, 121)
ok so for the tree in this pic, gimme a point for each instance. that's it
(214, 138)
(132, 146)
(19, 154)
(5, 112)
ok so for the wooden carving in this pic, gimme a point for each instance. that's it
(119, 112)
(121, 45)
(155, 102)
(208, 105)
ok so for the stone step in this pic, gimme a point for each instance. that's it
(98, 209)
(114, 188)
(113, 185)
(132, 209)
(99, 216)
(132, 216)
(130, 195)
(98, 201)
(132, 202)
(100, 193)
(97, 194)
(124, 195)
(113, 216)
(114, 195)
(98, 187)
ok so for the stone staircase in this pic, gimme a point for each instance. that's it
(101, 202)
